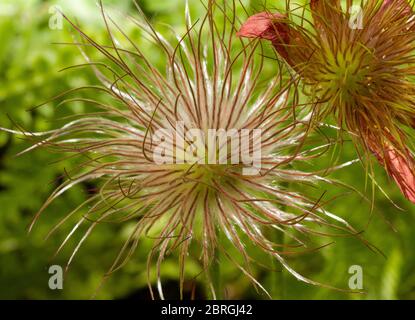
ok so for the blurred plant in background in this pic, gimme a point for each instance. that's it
(29, 65)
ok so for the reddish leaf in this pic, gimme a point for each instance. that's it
(402, 171)
(267, 26)
(400, 168)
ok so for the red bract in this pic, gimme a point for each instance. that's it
(399, 166)
(268, 26)
(401, 171)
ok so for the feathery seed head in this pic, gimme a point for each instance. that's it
(211, 82)
(361, 73)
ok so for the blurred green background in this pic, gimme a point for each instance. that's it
(29, 63)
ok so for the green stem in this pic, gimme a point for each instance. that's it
(276, 279)
(217, 276)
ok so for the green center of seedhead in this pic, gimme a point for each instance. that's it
(341, 76)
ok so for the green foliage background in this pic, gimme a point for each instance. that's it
(29, 65)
